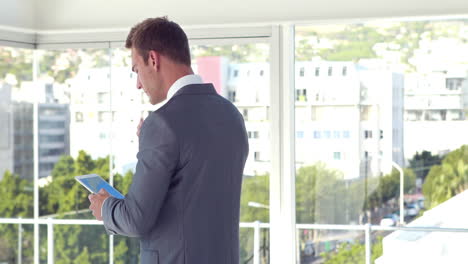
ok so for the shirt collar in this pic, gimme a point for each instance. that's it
(181, 82)
(177, 85)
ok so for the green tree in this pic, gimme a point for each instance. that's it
(389, 187)
(320, 195)
(354, 253)
(448, 179)
(422, 162)
(16, 201)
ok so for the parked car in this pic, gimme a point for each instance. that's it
(389, 220)
(309, 249)
(412, 210)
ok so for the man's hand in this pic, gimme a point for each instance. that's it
(96, 203)
(139, 126)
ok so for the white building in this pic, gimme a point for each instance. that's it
(6, 130)
(349, 117)
(435, 111)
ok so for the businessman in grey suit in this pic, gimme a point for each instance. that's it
(184, 201)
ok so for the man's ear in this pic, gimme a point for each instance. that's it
(154, 59)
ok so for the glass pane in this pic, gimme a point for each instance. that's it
(16, 133)
(373, 97)
(74, 124)
(331, 246)
(241, 73)
(129, 105)
(126, 250)
(80, 244)
(16, 243)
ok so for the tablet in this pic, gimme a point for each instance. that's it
(94, 183)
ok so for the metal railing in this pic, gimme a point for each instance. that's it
(256, 226)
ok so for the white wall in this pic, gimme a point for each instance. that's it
(18, 13)
(92, 14)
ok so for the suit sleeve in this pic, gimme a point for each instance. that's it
(158, 156)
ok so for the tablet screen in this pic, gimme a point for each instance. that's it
(94, 183)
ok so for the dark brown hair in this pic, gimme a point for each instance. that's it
(161, 35)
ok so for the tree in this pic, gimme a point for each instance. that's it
(354, 253)
(448, 179)
(17, 201)
(422, 163)
(389, 187)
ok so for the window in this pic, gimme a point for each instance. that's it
(367, 133)
(337, 155)
(301, 95)
(245, 113)
(299, 134)
(257, 156)
(317, 134)
(344, 71)
(336, 134)
(301, 72)
(317, 71)
(346, 134)
(327, 134)
(330, 71)
(79, 117)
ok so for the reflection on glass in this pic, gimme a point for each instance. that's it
(80, 244)
(16, 242)
(371, 94)
(16, 133)
(73, 119)
(330, 246)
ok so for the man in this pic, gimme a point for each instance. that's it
(184, 200)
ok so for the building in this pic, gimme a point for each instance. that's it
(6, 130)
(53, 130)
(435, 108)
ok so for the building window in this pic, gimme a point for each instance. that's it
(257, 156)
(261, 73)
(301, 95)
(245, 113)
(346, 134)
(330, 71)
(317, 134)
(345, 71)
(104, 116)
(367, 133)
(252, 134)
(317, 71)
(381, 134)
(336, 134)
(301, 72)
(79, 117)
(102, 97)
(232, 96)
(327, 133)
(337, 155)
(300, 134)
(235, 73)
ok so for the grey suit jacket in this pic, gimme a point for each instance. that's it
(184, 200)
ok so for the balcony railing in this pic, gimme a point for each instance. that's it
(256, 226)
